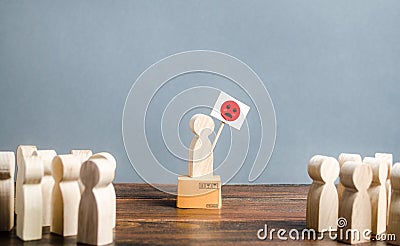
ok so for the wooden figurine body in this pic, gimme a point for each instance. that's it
(7, 170)
(343, 158)
(201, 152)
(29, 217)
(66, 195)
(47, 183)
(355, 205)
(82, 155)
(394, 211)
(110, 188)
(377, 194)
(23, 151)
(322, 200)
(96, 207)
(388, 159)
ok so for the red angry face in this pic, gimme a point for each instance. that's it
(230, 110)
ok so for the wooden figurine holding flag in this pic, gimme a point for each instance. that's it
(200, 188)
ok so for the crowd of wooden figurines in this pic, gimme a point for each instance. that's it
(72, 193)
(367, 198)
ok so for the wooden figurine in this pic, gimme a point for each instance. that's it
(82, 155)
(377, 194)
(7, 169)
(388, 159)
(342, 159)
(66, 195)
(110, 187)
(200, 189)
(47, 183)
(23, 151)
(355, 205)
(201, 152)
(394, 211)
(29, 217)
(96, 206)
(322, 200)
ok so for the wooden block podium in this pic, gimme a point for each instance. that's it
(199, 192)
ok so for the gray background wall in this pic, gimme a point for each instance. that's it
(332, 69)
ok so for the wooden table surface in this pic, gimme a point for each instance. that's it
(146, 216)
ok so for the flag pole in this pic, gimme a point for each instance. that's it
(218, 134)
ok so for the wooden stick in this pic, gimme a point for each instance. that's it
(218, 134)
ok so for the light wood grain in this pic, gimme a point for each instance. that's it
(96, 206)
(343, 158)
(377, 194)
(7, 170)
(66, 195)
(110, 188)
(388, 159)
(23, 151)
(29, 217)
(322, 199)
(394, 212)
(355, 205)
(47, 183)
(200, 151)
(82, 155)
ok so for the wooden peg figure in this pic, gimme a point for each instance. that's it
(96, 207)
(388, 159)
(322, 200)
(394, 211)
(355, 205)
(377, 194)
(47, 183)
(200, 152)
(23, 151)
(29, 217)
(82, 155)
(7, 169)
(110, 187)
(342, 159)
(66, 195)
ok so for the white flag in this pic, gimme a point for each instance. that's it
(229, 110)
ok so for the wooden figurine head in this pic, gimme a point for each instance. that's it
(7, 165)
(323, 169)
(379, 169)
(32, 172)
(201, 124)
(66, 168)
(96, 173)
(395, 176)
(355, 175)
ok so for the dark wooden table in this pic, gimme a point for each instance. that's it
(146, 216)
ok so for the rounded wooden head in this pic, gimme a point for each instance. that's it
(386, 158)
(66, 168)
(395, 176)
(97, 173)
(105, 155)
(24, 151)
(32, 171)
(7, 165)
(379, 169)
(356, 175)
(47, 157)
(343, 157)
(201, 122)
(323, 168)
